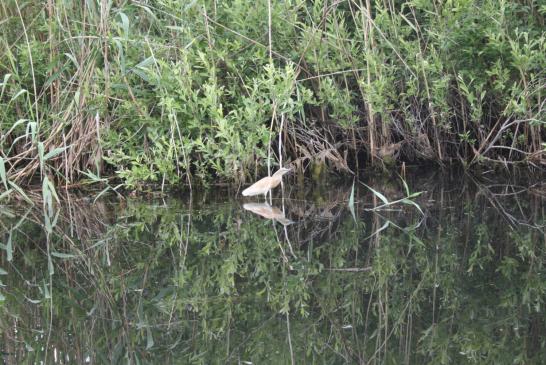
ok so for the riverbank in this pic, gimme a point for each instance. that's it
(205, 92)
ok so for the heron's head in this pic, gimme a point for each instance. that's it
(280, 172)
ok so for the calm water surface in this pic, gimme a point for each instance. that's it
(211, 278)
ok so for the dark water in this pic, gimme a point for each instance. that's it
(202, 279)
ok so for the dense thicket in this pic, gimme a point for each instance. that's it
(170, 90)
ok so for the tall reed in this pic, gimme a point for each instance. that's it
(180, 91)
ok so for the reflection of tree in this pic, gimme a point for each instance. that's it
(206, 282)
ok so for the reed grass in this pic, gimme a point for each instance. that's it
(174, 92)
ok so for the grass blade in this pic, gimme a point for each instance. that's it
(9, 248)
(55, 152)
(41, 156)
(5, 194)
(405, 186)
(50, 267)
(411, 202)
(63, 255)
(3, 175)
(352, 201)
(149, 338)
(377, 194)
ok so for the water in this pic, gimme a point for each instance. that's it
(202, 279)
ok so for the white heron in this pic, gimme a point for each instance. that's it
(264, 185)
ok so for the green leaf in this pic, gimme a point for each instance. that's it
(149, 338)
(352, 201)
(33, 301)
(5, 211)
(63, 255)
(405, 186)
(5, 194)
(55, 76)
(146, 62)
(105, 190)
(21, 92)
(3, 272)
(47, 294)
(48, 203)
(124, 23)
(385, 226)
(411, 202)
(377, 194)
(47, 185)
(32, 128)
(175, 27)
(147, 9)
(21, 192)
(15, 125)
(4, 83)
(55, 152)
(50, 267)
(73, 59)
(141, 74)
(121, 56)
(3, 175)
(93, 177)
(9, 248)
(41, 156)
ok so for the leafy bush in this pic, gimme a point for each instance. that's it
(170, 91)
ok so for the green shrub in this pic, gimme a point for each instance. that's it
(169, 91)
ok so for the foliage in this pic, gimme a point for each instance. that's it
(170, 91)
(203, 281)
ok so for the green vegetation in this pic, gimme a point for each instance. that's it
(201, 281)
(174, 91)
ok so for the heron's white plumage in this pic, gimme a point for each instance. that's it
(265, 184)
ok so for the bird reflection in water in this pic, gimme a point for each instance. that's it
(267, 211)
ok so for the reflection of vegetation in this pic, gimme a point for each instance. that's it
(211, 283)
